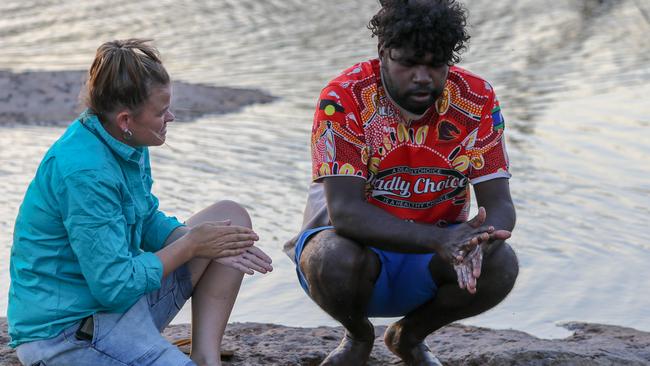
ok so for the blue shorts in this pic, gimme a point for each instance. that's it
(120, 339)
(404, 282)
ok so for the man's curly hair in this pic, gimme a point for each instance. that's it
(424, 26)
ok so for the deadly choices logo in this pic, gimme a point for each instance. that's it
(417, 188)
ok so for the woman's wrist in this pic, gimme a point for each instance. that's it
(188, 248)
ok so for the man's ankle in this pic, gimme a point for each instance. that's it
(362, 335)
(398, 338)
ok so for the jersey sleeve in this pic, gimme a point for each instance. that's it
(488, 156)
(337, 140)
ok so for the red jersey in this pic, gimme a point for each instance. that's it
(417, 170)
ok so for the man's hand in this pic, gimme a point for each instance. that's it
(253, 259)
(468, 268)
(464, 238)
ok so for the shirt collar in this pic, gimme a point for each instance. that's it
(126, 152)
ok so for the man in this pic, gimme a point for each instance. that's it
(396, 143)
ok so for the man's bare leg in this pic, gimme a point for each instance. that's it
(341, 275)
(215, 288)
(405, 338)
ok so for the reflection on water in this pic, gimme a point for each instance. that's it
(572, 77)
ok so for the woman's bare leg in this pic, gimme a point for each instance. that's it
(215, 288)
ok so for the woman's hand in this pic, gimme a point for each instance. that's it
(219, 239)
(253, 259)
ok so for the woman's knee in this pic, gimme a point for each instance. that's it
(223, 210)
(235, 211)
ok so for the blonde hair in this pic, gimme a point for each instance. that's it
(122, 75)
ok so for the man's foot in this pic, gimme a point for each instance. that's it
(349, 352)
(413, 355)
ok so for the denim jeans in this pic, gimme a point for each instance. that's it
(120, 339)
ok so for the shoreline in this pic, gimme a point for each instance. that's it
(456, 344)
(51, 98)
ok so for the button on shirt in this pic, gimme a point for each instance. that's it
(85, 234)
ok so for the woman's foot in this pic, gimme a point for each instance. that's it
(201, 361)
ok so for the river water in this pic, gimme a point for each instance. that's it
(573, 78)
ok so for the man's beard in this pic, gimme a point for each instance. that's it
(402, 99)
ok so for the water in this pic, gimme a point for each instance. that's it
(572, 77)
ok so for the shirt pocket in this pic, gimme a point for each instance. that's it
(147, 181)
(128, 210)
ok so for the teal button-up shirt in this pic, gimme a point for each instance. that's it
(85, 234)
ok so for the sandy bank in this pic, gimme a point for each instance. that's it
(52, 97)
(269, 344)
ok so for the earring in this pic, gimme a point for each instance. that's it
(127, 134)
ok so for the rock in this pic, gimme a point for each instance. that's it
(269, 344)
(53, 98)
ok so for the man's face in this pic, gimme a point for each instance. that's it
(414, 82)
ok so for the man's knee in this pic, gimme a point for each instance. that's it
(503, 268)
(331, 259)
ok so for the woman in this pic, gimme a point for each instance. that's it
(97, 271)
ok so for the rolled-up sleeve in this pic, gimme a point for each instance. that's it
(156, 227)
(95, 222)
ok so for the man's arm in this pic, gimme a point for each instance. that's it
(494, 196)
(353, 217)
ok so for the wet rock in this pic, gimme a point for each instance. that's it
(53, 98)
(269, 344)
